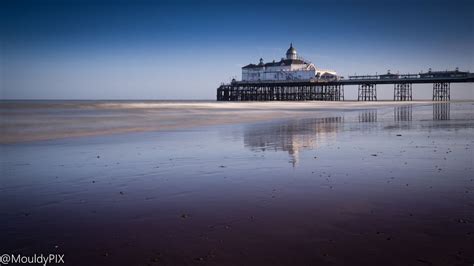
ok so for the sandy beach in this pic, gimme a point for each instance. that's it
(199, 183)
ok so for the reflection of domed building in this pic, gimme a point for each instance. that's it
(290, 68)
(292, 137)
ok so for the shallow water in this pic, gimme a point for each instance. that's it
(46, 120)
(384, 186)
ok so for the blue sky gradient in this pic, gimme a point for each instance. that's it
(184, 50)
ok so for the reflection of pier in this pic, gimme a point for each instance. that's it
(368, 116)
(292, 136)
(402, 113)
(441, 111)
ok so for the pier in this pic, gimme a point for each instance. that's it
(333, 90)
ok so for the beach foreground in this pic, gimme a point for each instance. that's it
(362, 184)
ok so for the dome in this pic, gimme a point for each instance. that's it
(291, 52)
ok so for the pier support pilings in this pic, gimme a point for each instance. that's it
(441, 91)
(402, 92)
(334, 92)
(367, 92)
(278, 92)
(223, 93)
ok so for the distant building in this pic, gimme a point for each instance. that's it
(290, 68)
(389, 76)
(444, 74)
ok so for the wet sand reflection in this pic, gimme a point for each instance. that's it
(362, 186)
(292, 136)
(368, 116)
(403, 113)
(441, 111)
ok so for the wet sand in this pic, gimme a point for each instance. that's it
(378, 185)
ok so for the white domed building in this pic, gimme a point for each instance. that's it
(290, 68)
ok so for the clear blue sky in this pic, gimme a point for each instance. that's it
(183, 50)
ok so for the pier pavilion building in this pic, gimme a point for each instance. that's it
(292, 67)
